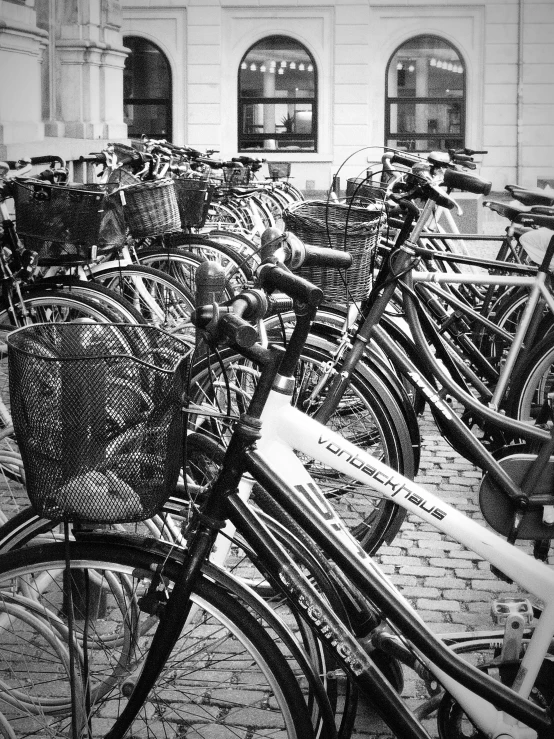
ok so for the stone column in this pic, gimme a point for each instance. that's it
(21, 50)
(111, 91)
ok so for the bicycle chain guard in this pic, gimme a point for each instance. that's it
(498, 509)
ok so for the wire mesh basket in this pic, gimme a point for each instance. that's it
(97, 415)
(193, 199)
(338, 226)
(278, 170)
(361, 192)
(150, 208)
(67, 223)
(236, 175)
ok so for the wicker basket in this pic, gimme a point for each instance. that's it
(277, 170)
(66, 223)
(338, 226)
(150, 208)
(193, 199)
(97, 414)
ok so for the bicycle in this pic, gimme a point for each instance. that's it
(391, 623)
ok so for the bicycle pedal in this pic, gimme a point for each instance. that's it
(503, 608)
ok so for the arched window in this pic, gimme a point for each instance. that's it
(146, 90)
(277, 99)
(425, 104)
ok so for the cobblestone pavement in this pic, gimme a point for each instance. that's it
(450, 587)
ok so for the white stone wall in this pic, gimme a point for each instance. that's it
(507, 47)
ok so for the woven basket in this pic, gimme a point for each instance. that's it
(338, 226)
(278, 169)
(97, 413)
(64, 222)
(150, 208)
(193, 199)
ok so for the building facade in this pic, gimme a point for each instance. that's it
(324, 84)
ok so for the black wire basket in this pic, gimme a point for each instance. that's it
(362, 192)
(338, 226)
(67, 223)
(97, 415)
(278, 170)
(193, 199)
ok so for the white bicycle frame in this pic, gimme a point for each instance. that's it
(284, 429)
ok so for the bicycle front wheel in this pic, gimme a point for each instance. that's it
(225, 676)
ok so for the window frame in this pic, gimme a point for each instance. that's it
(430, 100)
(242, 102)
(167, 102)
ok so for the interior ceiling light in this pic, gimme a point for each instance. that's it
(411, 68)
(310, 68)
(262, 68)
(292, 65)
(399, 66)
(252, 67)
(281, 70)
(301, 66)
(433, 62)
(244, 65)
(283, 64)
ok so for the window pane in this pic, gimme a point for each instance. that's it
(151, 120)
(411, 117)
(277, 118)
(426, 67)
(277, 67)
(146, 73)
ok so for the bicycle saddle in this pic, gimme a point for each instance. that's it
(531, 196)
(535, 243)
(538, 215)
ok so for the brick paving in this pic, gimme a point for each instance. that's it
(450, 587)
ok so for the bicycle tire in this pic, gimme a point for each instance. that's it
(529, 391)
(237, 273)
(379, 422)
(160, 299)
(233, 671)
(47, 305)
(121, 309)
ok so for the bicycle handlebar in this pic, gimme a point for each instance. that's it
(288, 248)
(464, 181)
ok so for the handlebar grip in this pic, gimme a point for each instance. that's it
(404, 159)
(274, 277)
(95, 158)
(467, 182)
(47, 160)
(237, 330)
(325, 257)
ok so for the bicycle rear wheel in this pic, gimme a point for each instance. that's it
(224, 677)
(161, 300)
(367, 415)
